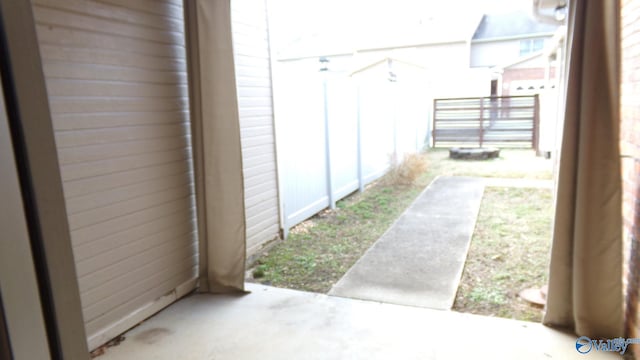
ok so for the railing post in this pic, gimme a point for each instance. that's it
(481, 120)
(433, 123)
(536, 124)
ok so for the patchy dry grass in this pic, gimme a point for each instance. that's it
(509, 252)
(320, 250)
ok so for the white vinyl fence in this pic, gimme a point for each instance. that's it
(337, 133)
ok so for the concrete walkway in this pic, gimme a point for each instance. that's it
(419, 260)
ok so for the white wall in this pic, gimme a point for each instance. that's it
(497, 53)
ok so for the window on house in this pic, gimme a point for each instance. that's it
(528, 46)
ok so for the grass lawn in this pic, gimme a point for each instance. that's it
(320, 250)
(509, 252)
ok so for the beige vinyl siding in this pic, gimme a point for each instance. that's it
(253, 78)
(117, 85)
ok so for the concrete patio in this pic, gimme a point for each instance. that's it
(272, 323)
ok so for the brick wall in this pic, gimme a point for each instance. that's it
(630, 148)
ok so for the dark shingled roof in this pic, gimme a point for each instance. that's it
(510, 24)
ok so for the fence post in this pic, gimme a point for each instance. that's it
(359, 139)
(536, 124)
(327, 144)
(481, 120)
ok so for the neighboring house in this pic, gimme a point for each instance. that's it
(512, 44)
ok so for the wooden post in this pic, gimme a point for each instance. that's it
(481, 120)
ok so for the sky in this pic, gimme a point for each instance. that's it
(294, 19)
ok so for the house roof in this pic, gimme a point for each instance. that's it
(513, 24)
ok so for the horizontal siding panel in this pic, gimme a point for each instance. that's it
(129, 237)
(251, 161)
(253, 80)
(259, 178)
(251, 71)
(261, 223)
(116, 78)
(254, 101)
(256, 242)
(254, 131)
(249, 81)
(104, 260)
(114, 13)
(61, 70)
(166, 9)
(266, 140)
(108, 166)
(73, 55)
(80, 22)
(79, 88)
(142, 281)
(250, 152)
(269, 204)
(261, 211)
(80, 187)
(117, 269)
(256, 170)
(256, 121)
(256, 92)
(256, 111)
(71, 38)
(263, 196)
(75, 138)
(100, 199)
(262, 188)
(116, 210)
(250, 61)
(98, 105)
(79, 121)
(130, 306)
(71, 155)
(104, 229)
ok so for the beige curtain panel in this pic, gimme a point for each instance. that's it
(585, 280)
(216, 144)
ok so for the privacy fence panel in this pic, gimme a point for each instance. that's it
(303, 147)
(343, 132)
(505, 121)
(337, 134)
(377, 127)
